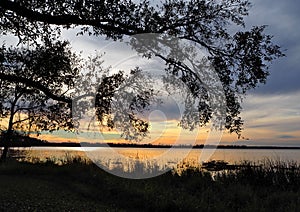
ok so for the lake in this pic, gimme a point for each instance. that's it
(150, 162)
(162, 155)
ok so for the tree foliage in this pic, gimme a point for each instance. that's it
(29, 79)
(240, 59)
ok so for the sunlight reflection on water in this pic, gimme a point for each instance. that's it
(150, 156)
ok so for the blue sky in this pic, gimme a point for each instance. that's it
(283, 20)
(272, 111)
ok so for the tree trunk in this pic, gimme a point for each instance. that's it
(7, 137)
(7, 143)
(4, 153)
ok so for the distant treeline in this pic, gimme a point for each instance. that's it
(26, 141)
(21, 141)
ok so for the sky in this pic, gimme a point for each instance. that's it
(271, 112)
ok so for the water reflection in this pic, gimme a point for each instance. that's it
(149, 159)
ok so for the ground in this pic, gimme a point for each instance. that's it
(85, 187)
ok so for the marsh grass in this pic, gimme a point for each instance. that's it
(268, 172)
(76, 184)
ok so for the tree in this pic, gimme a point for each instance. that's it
(30, 108)
(240, 59)
(38, 90)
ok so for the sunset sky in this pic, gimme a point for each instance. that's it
(271, 112)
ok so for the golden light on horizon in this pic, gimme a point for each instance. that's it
(168, 133)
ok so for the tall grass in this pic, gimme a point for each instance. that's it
(267, 172)
(269, 185)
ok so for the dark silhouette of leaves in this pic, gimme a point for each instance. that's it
(240, 60)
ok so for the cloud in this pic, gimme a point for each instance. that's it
(282, 18)
(269, 117)
(272, 111)
(286, 136)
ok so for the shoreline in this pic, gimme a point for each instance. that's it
(118, 145)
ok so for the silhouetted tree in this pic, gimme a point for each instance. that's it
(33, 84)
(41, 85)
(240, 59)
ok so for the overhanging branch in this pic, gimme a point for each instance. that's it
(37, 85)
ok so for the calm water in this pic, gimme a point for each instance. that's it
(149, 162)
(161, 154)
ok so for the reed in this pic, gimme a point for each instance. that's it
(245, 186)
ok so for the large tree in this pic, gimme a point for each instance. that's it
(240, 58)
(40, 86)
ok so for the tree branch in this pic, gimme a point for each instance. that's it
(65, 19)
(37, 85)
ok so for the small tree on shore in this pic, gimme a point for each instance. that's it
(33, 84)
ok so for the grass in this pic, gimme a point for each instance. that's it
(78, 185)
